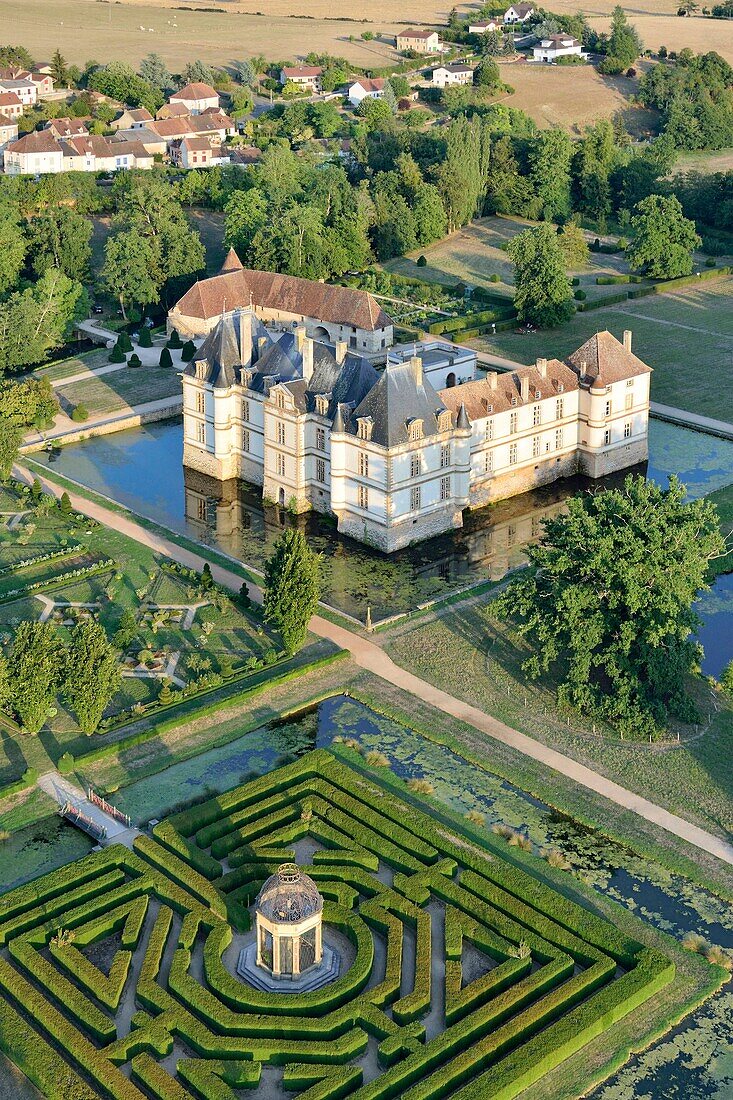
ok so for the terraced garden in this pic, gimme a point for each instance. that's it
(468, 975)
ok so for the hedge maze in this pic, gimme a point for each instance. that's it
(466, 976)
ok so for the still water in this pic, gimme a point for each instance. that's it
(142, 469)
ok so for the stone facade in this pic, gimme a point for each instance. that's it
(393, 458)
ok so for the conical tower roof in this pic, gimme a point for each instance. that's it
(232, 262)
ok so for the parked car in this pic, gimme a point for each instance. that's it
(97, 309)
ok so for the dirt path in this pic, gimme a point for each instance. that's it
(372, 658)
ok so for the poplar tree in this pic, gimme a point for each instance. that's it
(36, 666)
(92, 676)
(292, 588)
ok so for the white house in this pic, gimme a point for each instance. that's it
(557, 45)
(197, 98)
(392, 457)
(35, 153)
(366, 89)
(518, 13)
(23, 87)
(454, 72)
(418, 41)
(307, 77)
(8, 133)
(483, 26)
(41, 152)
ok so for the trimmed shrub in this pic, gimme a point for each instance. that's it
(579, 295)
(422, 261)
(146, 339)
(188, 351)
(66, 763)
(80, 414)
(175, 340)
(134, 360)
(117, 355)
(124, 343)
(166, 359)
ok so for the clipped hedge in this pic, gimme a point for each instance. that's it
(39, 1061)
(170, 838)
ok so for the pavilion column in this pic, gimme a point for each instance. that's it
(259, 943)
(295, 942)
(319, 942)
(275, 952)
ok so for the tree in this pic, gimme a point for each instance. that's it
(65, 504)
(17, 56)
(127, 630)
(118, 80)
(486, 74)
(492, 44)
(541, 291)
(35, 320)
(59, 69)
(664, 239)
(196, 72)
(550, 156)
(13, 246)
(376, 113)
(574, 247)
(624, 44)
(92, 674)
(59, 237)
(166, 359)
(30, 402)
(244, 214)
(594, 163)
(292, 588)
(36, 667)
(244, 72)
(154, 70)
(608, 605)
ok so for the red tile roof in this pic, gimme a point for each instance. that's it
(41, 141)
(293, 71)
(605, 360)
(9, 99)
(195, 91)
(235, 289)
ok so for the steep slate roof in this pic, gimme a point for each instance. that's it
(400, 396)
(607, 360)
(478, 396)
(239, 338)
(195, 91)
(236, 289)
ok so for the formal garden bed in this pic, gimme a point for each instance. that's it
(475, 972)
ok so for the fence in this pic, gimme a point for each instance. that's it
(108, 808)
(77, 817)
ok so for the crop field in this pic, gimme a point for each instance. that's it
(462, 975)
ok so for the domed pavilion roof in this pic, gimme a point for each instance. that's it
(289, 896)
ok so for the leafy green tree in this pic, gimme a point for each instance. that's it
(92, 674)
(13, 246)
(608, 606)
(550, 156)
(154, 70)
(244, 72)
(292, 588)
(59, 237)
(118, 80)
(17, 56)
(36, 665)
(664, 239)
(594, 162)
(127, 630)
(376, 113)
(574, 247)
(541, 291)
(245, 213)
(6, 692)
(486, 74)
(128, 269)
(65, 504)
(34, 321)
(624, 44)
(492, 43)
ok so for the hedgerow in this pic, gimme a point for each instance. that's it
(386, 869)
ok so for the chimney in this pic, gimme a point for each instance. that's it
(542, 367)
(627, 339)
(299, 337)
(306, 350)
(491, 377)
(583, 369)
(524, 387)
(341, 349)
(416, 365)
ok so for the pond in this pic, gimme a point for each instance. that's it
(667, 900)
(232, 517)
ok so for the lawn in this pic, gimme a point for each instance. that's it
(469, 654)
(687, 337)
(120, 389)
(75, 364)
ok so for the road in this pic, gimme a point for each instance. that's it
(373, 659)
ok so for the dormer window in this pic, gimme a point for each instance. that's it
(514, 400)
(561, 387)
(444, 421)
(201, 369)
(415, 429)
(280, 399)
(246, 378)
(537, 395)
(364, 427)
(321, 404)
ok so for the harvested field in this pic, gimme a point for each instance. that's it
(573, 97)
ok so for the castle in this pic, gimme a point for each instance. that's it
(394, 458)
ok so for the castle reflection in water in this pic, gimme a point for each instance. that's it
(232, 515)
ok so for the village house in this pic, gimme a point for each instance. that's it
(211, 124)
(518, 13)
(132, 118)
(199, 152)
(557, 45)
(331, 313)
(483, 26)
(152, 143)
(40, 152)
(172, 110)
(67, 127)
(8, 133)
(366, 89)
(22, 87)
(455, 72)
(10, 105)
(197, 98)
(393, 458)
(418, 41)
(307, 77)
(40, 80)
